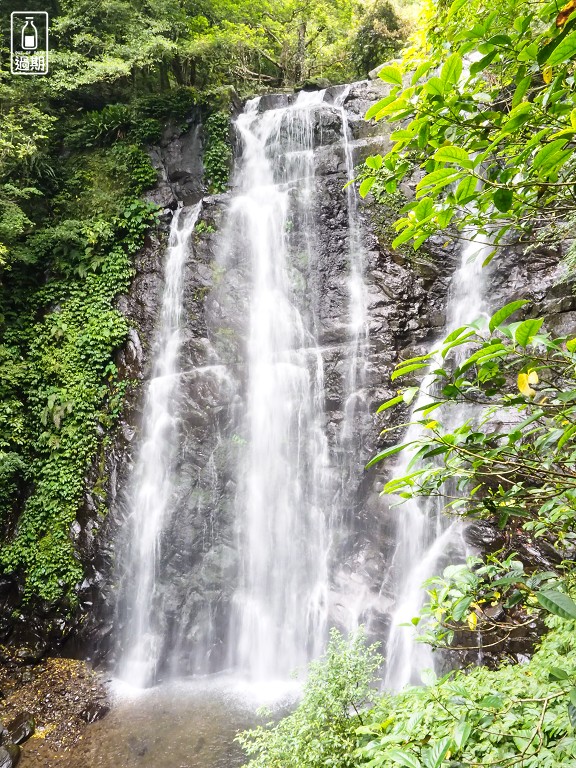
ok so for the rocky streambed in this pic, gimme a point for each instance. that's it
(62, 713)
(45, 709)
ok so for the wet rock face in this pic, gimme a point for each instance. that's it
(178, 160)
(406, 308)
(21, 728)
(9, 756)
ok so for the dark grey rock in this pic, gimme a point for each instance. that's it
(21, 728)
(9, 756)
(94, 711)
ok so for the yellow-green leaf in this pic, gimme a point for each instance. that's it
(391, 74)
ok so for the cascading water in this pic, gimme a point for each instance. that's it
(279, 617)
(151, 486)
(425, 536)
(356, 288)
(242, 500)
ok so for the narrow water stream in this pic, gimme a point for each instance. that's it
(152, 482)
(427, 539)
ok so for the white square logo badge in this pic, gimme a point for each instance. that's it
(29, 43)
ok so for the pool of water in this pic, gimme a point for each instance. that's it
(173, 726)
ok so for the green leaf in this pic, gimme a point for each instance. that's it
(391, 74)
(455, 7)
(366, 186)
(503, 314)
(466, 189)
(452, 154)
(407, 759)
(564, 51)
(462, 734)
(434, 755)
(385, 454)
(435, 86)
(389, 403)
(407, 369)
(408, 234)
(374, 162)
(445, 216)
(527, 330)
(557, 603)
(375, 108)
(568, 434)
(452, 69)
(415, 359)
(503, 199)
(485, 353)
(547, 152)
(421, 71)
(492, 701)
(572, 696)
(438, 178)
(478, 66)
(409, 394)
(518, 116)
(555, 673)
(428, 677)
(572, 714)
(521, 90)
(456, 333)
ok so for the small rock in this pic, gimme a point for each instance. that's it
(94, 712)
(21, 728)
(9, 756)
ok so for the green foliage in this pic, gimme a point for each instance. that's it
(62, 391)
(115, 46)
(513, 458)
(204, 227)
(490, 597)
(379, 37)
(486, 107)
(139, 122)
(103, 127)
(511, 461)
(217, 157)
(70, 220)
(520, 715)
(321, 731)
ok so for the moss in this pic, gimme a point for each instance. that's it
(217, 156)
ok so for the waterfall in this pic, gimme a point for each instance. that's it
(151, 487)
(280, 608)
(427, 538)
(244, 507)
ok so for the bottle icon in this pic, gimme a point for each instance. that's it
(29, 35)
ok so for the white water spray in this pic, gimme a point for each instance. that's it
(151, 486)
(280, 609)
(356, 286)
(425, 536)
